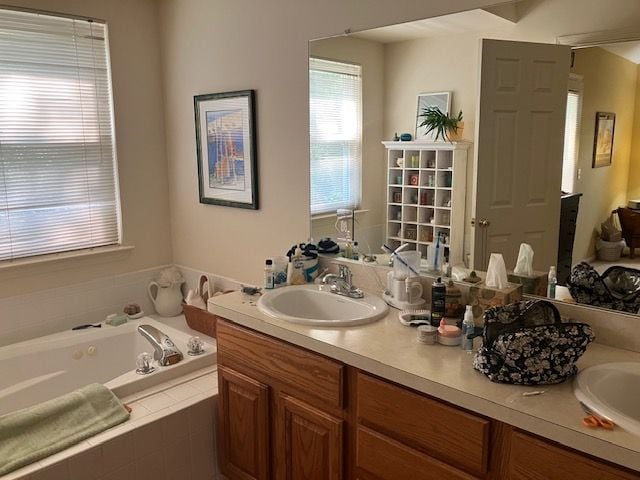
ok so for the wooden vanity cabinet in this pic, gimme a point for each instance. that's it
(290, 414)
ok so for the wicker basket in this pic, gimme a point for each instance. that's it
(200, 320)
(609, 251)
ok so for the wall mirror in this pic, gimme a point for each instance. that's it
(524, 168)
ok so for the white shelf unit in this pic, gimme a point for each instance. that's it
(426, 195)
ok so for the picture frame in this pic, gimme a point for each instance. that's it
(603, 139)
(442, 100)
(226, 148)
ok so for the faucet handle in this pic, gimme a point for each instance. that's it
(345, 273)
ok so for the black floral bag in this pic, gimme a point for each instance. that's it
(526, 343)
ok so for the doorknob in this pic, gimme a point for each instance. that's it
(482, 223)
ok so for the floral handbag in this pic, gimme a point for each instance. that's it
(526, 343)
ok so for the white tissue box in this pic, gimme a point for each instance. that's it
(482, 297)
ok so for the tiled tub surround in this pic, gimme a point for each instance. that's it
(171, 430)
(389, 350)
(36, 314)
(169, 436)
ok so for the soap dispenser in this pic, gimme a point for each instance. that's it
(296, 268)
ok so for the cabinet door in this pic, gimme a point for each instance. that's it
(243, 426)
(309, 442)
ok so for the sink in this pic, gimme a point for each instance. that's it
(612, 390)
(310, 305)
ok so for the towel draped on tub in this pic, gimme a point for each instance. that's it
(36, 432)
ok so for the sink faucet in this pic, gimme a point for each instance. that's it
(341, 283)
(166, 352)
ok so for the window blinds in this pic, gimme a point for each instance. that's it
(335, 126)
(58, 187)
(571, 139)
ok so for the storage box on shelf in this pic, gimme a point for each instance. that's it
(426, 195)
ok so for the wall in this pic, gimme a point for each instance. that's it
(370, 56)
(138, 106)
(215, 46)
(633, 187)
(610, 84)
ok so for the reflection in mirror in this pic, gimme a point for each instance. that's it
(575, 171)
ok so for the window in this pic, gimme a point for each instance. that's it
(58, 181)
(335, 104)
(572, 134)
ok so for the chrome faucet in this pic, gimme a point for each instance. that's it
(341, 283)
(166, 352)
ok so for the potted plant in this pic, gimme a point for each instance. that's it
(445, 127)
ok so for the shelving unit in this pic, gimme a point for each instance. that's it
(426, 195)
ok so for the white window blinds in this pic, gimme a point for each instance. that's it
(335, 126)
(58, 182)
(571, 136)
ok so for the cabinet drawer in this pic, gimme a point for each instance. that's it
(387, 459)
(445, 432)
(534, 459)
(310, 376)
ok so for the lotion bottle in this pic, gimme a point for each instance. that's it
(468, 328)
(297, 268)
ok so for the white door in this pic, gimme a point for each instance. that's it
(518, 168)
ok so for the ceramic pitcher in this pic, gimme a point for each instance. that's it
(167, 299)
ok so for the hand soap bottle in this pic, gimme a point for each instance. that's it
(296, 268)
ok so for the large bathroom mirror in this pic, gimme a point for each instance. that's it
(580, 165)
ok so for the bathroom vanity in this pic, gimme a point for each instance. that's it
(369, 402)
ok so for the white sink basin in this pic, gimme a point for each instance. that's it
(309, 305)
(612, 390)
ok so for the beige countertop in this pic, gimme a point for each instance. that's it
(390, 350)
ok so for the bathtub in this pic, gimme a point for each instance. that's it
(43, 368)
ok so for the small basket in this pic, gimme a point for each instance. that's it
(609, 251)
(200, 320)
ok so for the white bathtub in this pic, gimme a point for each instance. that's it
(43, 368)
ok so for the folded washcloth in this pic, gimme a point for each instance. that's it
(33, 433)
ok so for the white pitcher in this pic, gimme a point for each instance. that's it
(167, 299)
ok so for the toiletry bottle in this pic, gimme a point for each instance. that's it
(269, 275)
(438, 301)
(553, 281)
(297, 276)
(348, 250)
(355, 251)
(468, 328)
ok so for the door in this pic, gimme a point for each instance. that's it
(309, 442)
(518, 168)
(243, 426)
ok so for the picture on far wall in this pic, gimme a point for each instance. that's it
(603, 139)
(226, 148)
(442, 100)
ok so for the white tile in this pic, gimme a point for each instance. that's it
(147, 438)
(177, 458)
(206, 383)
(201, 416)
(58, 471)
(157, 402)
(182, 392)
(137, 412)
(118, 452)
(203, 455)
(151, 467)
(127, 472)
(87, 465)
(65, 454)
(175, 425)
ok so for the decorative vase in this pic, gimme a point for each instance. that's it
(167, 298)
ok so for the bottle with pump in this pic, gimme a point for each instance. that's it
(553, 281)
(355, 251)
(269, 275)
(468, 328)
(296, 268)
(438, 301)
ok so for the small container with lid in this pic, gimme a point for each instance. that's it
(449, 335)
(427, 334)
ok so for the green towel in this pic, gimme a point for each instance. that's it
(33, 433)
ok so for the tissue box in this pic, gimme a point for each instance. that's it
(482, 297)
(533, 285)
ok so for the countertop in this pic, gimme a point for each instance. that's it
(390, 350)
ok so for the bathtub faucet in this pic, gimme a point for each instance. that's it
(166, 352)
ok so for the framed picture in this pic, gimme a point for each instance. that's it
(226, 149)
(442, 100)
(603, 139)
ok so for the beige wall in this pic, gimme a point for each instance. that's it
(222, 45)
(633, 187)
(135, 61)
(609, 86)
(370, 56)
